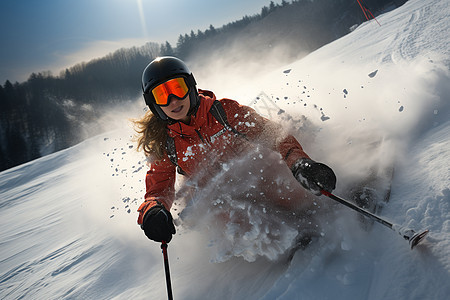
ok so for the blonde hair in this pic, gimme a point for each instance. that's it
(152, 135)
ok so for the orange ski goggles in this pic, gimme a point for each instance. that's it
(174, 87)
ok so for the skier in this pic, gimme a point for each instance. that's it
(189, 131)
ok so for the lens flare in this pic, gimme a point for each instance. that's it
(142, 17)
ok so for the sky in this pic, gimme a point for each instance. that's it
(42, 35)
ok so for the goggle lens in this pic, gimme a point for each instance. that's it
(176, 87)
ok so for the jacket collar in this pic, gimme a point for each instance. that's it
(197, 120)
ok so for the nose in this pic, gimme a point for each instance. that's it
(170, 100)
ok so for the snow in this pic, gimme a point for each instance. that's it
(69, 219)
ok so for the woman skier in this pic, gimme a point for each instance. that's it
(189, 131)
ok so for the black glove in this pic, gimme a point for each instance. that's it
(314, 176)
(158, 224)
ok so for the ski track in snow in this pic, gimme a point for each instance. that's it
(375, 98)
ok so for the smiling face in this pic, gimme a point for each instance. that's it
(178, 109)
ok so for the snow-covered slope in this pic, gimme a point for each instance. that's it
(69, 219)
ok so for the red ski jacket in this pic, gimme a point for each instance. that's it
(204, 144)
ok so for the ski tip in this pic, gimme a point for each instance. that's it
(417, 238)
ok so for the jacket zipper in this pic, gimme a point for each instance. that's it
(202, 139)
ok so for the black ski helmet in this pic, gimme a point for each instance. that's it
(160, 70)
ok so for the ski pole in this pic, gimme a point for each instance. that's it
(166, 267)
(408, 234)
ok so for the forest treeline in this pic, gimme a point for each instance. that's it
(49, 112)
